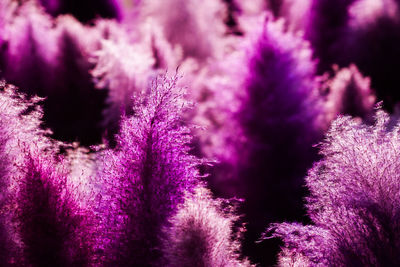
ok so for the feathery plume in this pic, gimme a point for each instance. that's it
(279, 113)
(354, 192)
(201, 234)
(51, 226)
(272, 110)
(20, 130)
(147, 174)
(349, 93)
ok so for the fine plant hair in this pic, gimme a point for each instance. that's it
(12, 106)
(105, 161)
(354, 191)
(124, 69)
(50, 225)
(201, 234)
(39, 221)
(348, 93)
(273, 108)
(146, 175)
(19, 124)
(278, 112)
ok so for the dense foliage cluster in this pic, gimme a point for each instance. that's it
(199, 133)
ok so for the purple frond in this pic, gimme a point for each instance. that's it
(279, 111)
(354, 195)
(124, 69)
(266, 117)
(308, 245)
(42, 221)
(279, 117)
(20, 120)
(349, 93)
(147, 174)
(20, 131)
(50, 224)
(201, 234)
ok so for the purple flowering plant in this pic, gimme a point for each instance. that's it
(353, 201)
(106, 159)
